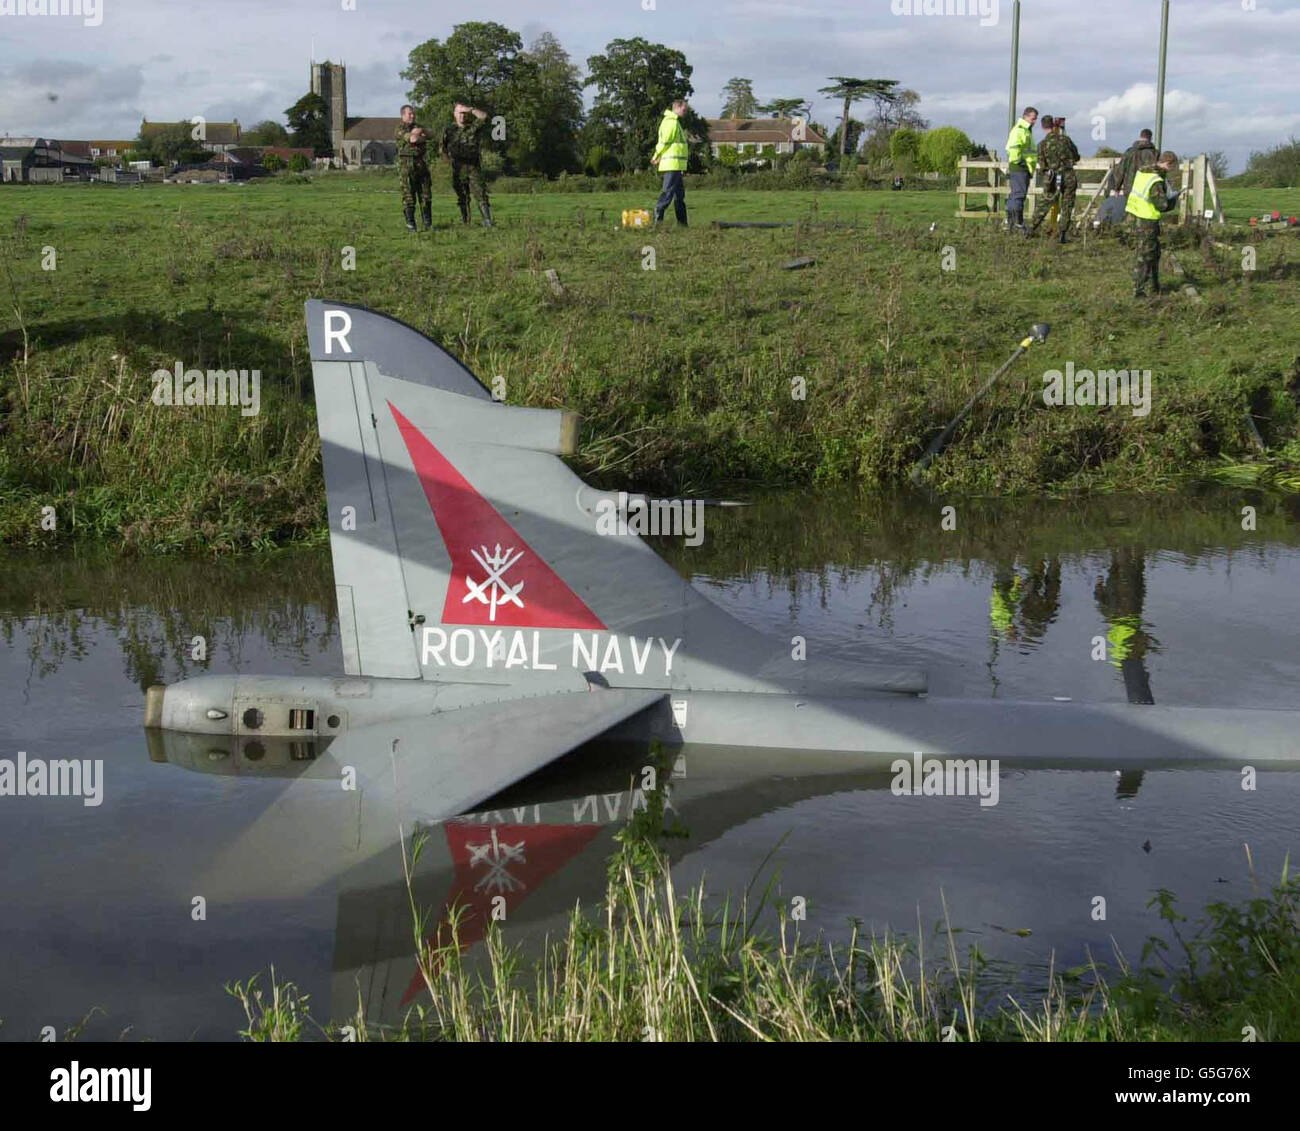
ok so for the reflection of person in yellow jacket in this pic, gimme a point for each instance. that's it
(1120, 597)
(671, 154)
(1003, 602)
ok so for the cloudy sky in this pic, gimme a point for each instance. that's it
(1232, 81)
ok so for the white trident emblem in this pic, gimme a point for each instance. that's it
(497, 855)
(500, 591)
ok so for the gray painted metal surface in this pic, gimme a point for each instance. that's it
(495, 616)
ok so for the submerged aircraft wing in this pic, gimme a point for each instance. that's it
(437, 766)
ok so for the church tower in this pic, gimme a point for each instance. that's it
(329, 80)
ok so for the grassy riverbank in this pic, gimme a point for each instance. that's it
(655, 964)
(683, 373)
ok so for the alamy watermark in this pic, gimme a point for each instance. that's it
(987, 10)
(1105, 387)
(179, 386)
(60, 777)
(90, 11)
(639, 515)
(945, 777)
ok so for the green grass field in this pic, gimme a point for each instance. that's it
(684, 373)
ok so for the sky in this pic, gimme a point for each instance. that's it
(1232, 80)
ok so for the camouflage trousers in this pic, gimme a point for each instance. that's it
(417, 186)
(467, 178)
(1146, 258)
(1064, 196)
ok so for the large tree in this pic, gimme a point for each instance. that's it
(636, 81)
(309, 122)
(787, 108)
(738, 99)
(478, 64)
(265, 133)
(855, 90)
(545, 110)
(171, 143)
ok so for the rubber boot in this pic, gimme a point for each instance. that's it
(1064, 237)
(486, 210)
(426, 214)
(464, 211)
(410, 217)
(1155, 281)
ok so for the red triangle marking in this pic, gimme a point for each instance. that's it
(523, 856)
(516, 587)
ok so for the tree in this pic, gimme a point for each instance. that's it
(298, 163)
(265, 133)
(787, 108)
(308, 118)
(738, 99)
(904, 146)
(942, 148)
(1278, 167)
(546, 110)
(272, 162)
(1107, 151)
(636, 81)
(1218, 164)
(170, 143)
(854, 90)
(856, 130)
(477, 64)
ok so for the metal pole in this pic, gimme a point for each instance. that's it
(1160, 83)
(1015, 64)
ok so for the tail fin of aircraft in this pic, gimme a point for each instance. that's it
(465, 549)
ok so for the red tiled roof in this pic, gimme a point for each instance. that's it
(764, 131)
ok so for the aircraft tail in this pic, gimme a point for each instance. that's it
(465, 549)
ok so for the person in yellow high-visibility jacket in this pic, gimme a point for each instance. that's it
(670, 157)
(1021, 162)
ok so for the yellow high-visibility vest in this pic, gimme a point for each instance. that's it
(1139, 197)
(672, 149)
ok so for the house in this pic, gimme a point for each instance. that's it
(752, 135)
(218, 137)
(110, 149)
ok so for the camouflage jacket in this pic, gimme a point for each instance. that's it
(1139, 154)
(462, 143)
(406, 152)
(1057, 153)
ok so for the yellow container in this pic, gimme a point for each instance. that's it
(636, 218)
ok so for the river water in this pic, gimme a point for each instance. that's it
(202, 865)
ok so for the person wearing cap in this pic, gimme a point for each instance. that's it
(1147, 199)
(1058, 155)
(1021, 162)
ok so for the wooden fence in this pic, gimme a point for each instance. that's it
(1200, 201)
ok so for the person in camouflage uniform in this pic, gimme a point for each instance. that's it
(1136, 157)
(1147, 198)
(413, 172)
(1058, 155)
(461, 144)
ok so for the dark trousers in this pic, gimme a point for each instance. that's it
(674, 193)
(1019, 179)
